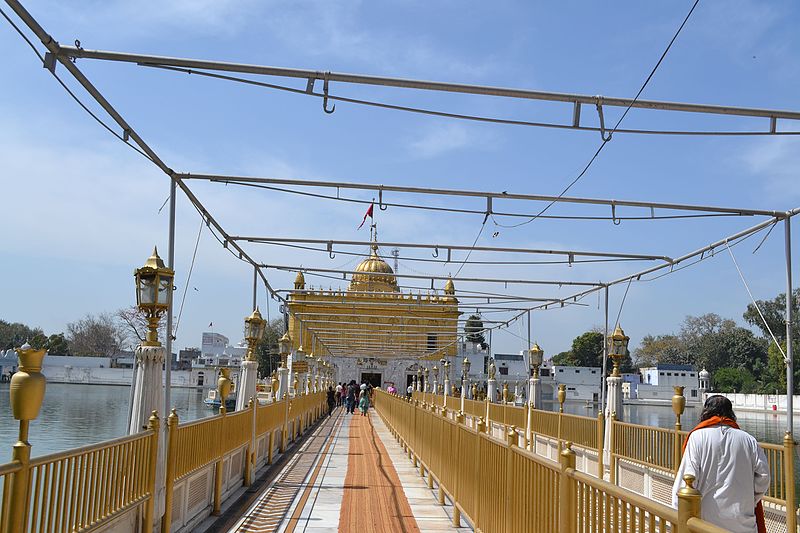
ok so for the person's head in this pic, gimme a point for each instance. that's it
(717, 405)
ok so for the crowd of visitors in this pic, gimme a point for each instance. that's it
(351, 395)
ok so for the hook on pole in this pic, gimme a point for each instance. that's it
(614, 219)
(330, 250)
(325, 97)
(603, 135)
(380, 201)
(435, 253)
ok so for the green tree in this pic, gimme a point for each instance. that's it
(587, 350)
(473, 328)
(15, 334)
(774, 312)
(661, 349)
(267, 348)
(729, 379)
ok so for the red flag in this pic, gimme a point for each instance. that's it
(367, 214)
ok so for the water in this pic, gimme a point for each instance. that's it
(766, 427)
(78, 415)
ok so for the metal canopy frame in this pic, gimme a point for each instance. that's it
(66, 54)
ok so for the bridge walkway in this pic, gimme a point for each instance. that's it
(350, 475)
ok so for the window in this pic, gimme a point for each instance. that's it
(594, 371)
(693, 393)
(669, 373)
(683, 374)
(560, 369)
(660, 373)
(503, 370)
(432, 342)
(577, 371)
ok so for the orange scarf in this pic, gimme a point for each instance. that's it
(716, 421)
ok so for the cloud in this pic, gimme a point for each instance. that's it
(774, 163)
(443, 138)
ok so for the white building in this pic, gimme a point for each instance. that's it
(216, 351)
(582, 382)
(658, 382)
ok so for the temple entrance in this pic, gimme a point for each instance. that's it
(373, 378)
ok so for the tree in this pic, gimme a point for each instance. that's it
(774, 312)
(661, 349)
(15, 334)
(267, 348)
(473, 328)
(96, 336)
(729, 379)
(587, 350)
(57, 344)
(133, 322)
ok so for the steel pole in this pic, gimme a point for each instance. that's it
(789, 351)
(605, 352)
(255, 286)
(170, 264)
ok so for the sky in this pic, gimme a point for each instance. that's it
(81, 210)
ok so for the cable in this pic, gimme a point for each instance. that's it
(614, 129)
(189, 278)
(458, 116)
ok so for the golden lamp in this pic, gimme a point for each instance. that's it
(254, 327)
(617, 348)
(153, 287)
(535, 359)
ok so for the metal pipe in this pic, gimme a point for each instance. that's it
(789, 333)
(483, 194)
(605, 353)
(255, 286)
(362, 79)
(419, 276)
(567, 253)
(171, 264)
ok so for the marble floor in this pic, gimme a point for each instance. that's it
(327, 500)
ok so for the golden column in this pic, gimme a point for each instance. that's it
(27, 393)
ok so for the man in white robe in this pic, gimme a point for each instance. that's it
(730, 469)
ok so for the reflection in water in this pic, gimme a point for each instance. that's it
(78, 415)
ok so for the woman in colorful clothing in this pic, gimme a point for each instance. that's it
(363, 400)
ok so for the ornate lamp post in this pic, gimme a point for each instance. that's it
(435, 379)
(418, 388)
(254, 327)
(465, 364)
(425, 373)
(153, 285)
(299, 366)
(284, 347)
(536, 357)
(617, 349)
(491, 383)
(446, 377)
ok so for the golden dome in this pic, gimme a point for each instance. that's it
(299, 281)
(374, 274)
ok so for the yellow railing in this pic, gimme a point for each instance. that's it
(501, 487)
(81, 489)
(643, 444)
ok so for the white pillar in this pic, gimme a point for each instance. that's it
(491, 388)
(247, 384)
(613, 407)
(283, 380)
(148, 396)
(435, 389)
(464, 389)
(535, 392)
(516, 391)
(446, 390)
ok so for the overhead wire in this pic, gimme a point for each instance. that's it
(188, 278)
(607, 139)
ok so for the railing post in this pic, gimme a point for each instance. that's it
(688, 504)
(678, 405)
(788, 466)
(568, 492)
(562, 396)
(26, 395)
(512, 438)
(481, 425)
(149, 507)
(250, 452)
(600, 419)
(215, 510)
(169, 482)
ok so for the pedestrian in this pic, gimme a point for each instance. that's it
(363, 400)
(331, 400)
(339, 396)
(730, 469)
(409, 390)
(350, 400)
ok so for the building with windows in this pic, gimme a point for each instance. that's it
(372, 331)
(582, 382)
(658, 382)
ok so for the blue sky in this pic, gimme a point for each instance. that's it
(80, 209)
